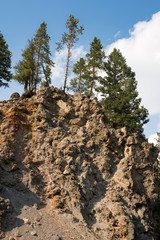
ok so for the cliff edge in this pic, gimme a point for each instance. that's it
(65, 175)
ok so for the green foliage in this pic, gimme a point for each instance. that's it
(69, 39)
(25, 69)
(158, 146)
(158, 141)
(35, 61)
(119, 95)
(43, 53)
(5, 62)
(79, 83)
(95, 59)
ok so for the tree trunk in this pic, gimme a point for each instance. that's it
(79, 83)
(44, 71)
(31, 81)
(92, 82)
(66, 72)
(25, 85)
(36, 72)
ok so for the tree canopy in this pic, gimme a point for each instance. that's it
(5, 62)
(95, 59)
(69, 39)
(120, 96)
(25, 68)
(118, 89)
(36, 62)
(43, 53)
(80, 83)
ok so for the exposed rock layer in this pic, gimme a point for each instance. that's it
(57, 149)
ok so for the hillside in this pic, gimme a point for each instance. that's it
(65, 175)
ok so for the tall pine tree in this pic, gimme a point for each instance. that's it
(95, 59)
(25, 68)
(5, 62)
(158, 146)
(43, 54)
(79, 84)
(69, 39)
(119, 95)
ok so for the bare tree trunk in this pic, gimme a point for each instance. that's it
(66, 72)
(44, 71)
(25, 85)
(36, 72)
(92, 82)
(79, 83)
(31, 81)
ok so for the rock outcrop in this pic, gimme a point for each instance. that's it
(59, 160)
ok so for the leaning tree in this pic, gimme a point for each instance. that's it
(69, 39)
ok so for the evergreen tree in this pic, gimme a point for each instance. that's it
(78, 84)
(44, 62)
(119, 95)
(158, 140)
(158, 146)
(158, 143)
(25, 69)
(5, 62)
(95, 59)
(69, 39)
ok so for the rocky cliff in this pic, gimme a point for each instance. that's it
(65, 175)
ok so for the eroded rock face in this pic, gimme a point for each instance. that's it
(59, 149)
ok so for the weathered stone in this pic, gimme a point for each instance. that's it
(34, 233)
(26, 221)
(58, 148)
(15, 96)
(65, 109)
(12, 238)
(18, 234)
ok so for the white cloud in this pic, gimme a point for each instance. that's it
(117, 34)
(60, 59)
(142, 53)
(153, 138)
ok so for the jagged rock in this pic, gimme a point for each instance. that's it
(12, 238)
(27, 94)
(34, 233)
(26, 221)
(57, 148)
(15, 96)
(18, 234)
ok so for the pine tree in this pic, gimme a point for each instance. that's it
(78, 84)
(119, 95)
(95, 59)
(158, 143)
(44, 62)
(25, 69)
(69, 39)
(5, 62)
(158, 146)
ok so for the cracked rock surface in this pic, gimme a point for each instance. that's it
(65, 175)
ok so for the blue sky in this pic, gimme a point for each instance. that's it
(131, 26)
